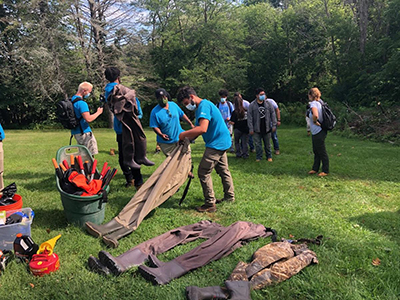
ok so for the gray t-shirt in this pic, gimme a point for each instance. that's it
(315, 129)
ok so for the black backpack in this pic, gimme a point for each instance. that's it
(329, 119)
(66, 115)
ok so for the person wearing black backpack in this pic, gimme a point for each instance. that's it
(83, 133)
(318, 134)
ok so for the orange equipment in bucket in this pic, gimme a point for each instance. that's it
(45, 261)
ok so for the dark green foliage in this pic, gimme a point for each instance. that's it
(285, 47)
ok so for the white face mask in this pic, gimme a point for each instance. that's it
(191, 106)
(223, 100)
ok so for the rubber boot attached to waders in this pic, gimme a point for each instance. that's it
(101, 230)
(140, 153)
(210, 292)
(238, 290)
(118, 265)
(128, 146)
(111, 239)
(96, 266)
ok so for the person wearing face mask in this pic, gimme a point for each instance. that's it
(83, 133)
(211, 125)
(226, 108)
(165, 120)
(261, 119)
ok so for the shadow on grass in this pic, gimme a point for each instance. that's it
(53, 219)
(386, 223)
(37, 181)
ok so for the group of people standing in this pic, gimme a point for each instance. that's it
(251, 124)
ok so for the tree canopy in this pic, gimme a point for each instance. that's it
(349, 49)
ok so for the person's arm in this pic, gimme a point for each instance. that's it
(273, 117)
(140, 112)
(233, 118)
(315, 116)
(91, 117)
(193, 133)
(187, 120)
(159, 133)
(278, 116)
(250, 121)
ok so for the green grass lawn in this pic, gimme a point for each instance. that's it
(356, 209)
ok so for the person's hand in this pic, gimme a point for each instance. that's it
(273, 129)
(251, 132)
(100, 110)
(278, 123)
(317, 123)
(165, 136)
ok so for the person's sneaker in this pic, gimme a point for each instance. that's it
(138, 186)
(312, 172)
(277, 152)
(223, 200)
(269, 159)
(130, 183)
(257, 160)
(207, 208)
(322, 174)
(253, 150)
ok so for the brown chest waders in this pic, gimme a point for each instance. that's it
(276, 262)
(221, 245)
(162, 184)
(157, 245)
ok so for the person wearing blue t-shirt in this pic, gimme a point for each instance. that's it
(226, 108)
(83, 133)
(211, 125)
(2, 136)
(133, 176)
(165, 121)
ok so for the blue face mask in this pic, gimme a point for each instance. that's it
(262, 97)
(86, 96)
(191, 106)
(223, 100)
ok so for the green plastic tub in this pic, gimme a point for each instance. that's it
(78, 210)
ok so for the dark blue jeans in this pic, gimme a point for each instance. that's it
(258, 139)
(275, 140)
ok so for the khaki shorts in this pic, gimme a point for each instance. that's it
(88, 140)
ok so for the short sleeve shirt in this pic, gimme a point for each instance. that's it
(315, 129)
(80, 107)
(217, 135)
(2, 135)
(168, 121)
(226, 110)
